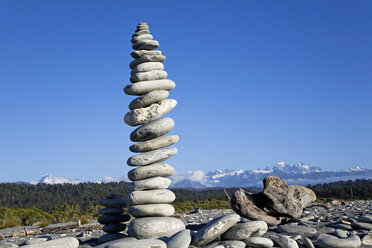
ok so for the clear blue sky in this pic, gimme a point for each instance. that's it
(257, 82)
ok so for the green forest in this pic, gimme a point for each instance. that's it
(25, 204)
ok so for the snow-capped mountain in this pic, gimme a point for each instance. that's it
(300, 174)
(49, 179)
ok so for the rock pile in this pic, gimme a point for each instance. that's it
(150, 198)
(112, 218)
(277, 203)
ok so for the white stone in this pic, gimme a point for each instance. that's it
(152, 170)
(148, 210)
(142, 116)
(214, 229)
(145, 45)
(153, 129)
(134, 243)
(259, 242)
(141, 37)
(149, 66)
(148, 99)
(241, 231)
(155, 156)
(144, 87)
(148, 75)
(150, 183)
(284, 241)
(67, 242)
(147, 58)
(138, 53)
(151, 196)
(182, 239)
(154, 227)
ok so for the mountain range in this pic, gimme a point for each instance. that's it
(300, 174)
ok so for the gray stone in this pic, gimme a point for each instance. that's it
(133, 243)
(307, 242)
(341, 233)
(181, 239)
(145, 45)
(144, 87)
(148, 99)
(153, 129)
(149, 66)
(329, 241)
(108, 219)
(152, 170)
(110, 237)
(365, 218)
(67, 242)
(367, 240)
(361, 226)
(245, 204)
(8, 245)
(156, 156)
(142, 116)
(147, 58)
(141, 37)
(259, 242)
(138, 53)
(342, 226)
(114, 227)
(140, 32)
(154, 227)
(284, 241)
(297, 229)
(148, 75)
(286, 200)
(112, 203)
(33, 241)
(214, 229)
(241, 231)
(154, 144)
(148, 210)
(151, 196)
(111, 211)
(150, 183)
(227, 244)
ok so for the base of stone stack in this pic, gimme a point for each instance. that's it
(154, 227)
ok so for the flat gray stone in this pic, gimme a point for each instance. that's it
(341, 233)
(133, 243)
(111, 211)
(140, 32)
(142, 116)
(141, 37)
(148, 75)
(138, 53)
(329, 241)
(307, 242)
(150, 183)
(226, 243)
(148, 99)
(367, 240)
(259, 242)
(148, 66)
(241, 231)
(181, 239)
(153, 129)
(113, 203)
(149, 210)
(147, 58)
(33, 241)
(365, 218)
(361, 226)
(154, 227)
(284, 241)
(108, 219)
(154, 144)
(145, 45)
(151, 196)
(342, 226)
(156, 156)
(144, 87)
(114, 227)
(67, 242)
(214, 229)
(8, 245)
(152, 170)
(110, 237)
(297, 229)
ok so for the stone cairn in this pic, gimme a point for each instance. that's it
(150, 198)
(112, 218)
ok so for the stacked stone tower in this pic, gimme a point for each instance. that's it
(150, 197)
